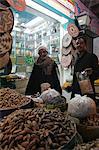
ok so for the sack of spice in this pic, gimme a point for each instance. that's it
(49, 94)
(81, 106)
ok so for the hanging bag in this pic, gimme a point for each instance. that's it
(84, 83)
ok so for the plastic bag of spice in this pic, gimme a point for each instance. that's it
(49, 94)
(81, 106)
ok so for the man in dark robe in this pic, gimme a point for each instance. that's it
(44, 70)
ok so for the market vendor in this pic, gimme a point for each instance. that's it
(44, 70)
(84, 62)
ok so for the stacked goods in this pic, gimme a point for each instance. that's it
(93, 145)
(9, 98)
(68, 49)
(36, 130)
(6, 26)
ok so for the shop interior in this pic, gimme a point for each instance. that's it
(30, 31)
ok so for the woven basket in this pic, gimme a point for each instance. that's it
(7, 111)
(88, 133)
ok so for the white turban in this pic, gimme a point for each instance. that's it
(42, 47)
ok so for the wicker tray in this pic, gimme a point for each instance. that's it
(6, 111)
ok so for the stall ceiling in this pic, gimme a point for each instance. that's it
(24, 16)
(28, 18)
(93, 5)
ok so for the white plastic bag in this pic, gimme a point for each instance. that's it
(81, 106)
(49, 94)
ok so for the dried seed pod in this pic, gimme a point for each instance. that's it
(10, 98)
(20, 137)
(20, 147)
(34, 129)
(90, 145)
(25, 144)
(11, 144)
(6, 147)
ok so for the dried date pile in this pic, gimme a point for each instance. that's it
(9, 98)
(94, 121)
(94, 145)
(36, 130)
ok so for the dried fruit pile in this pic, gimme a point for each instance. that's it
(9, 98)
(94, 145)
(35, 130)
(91, 121)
